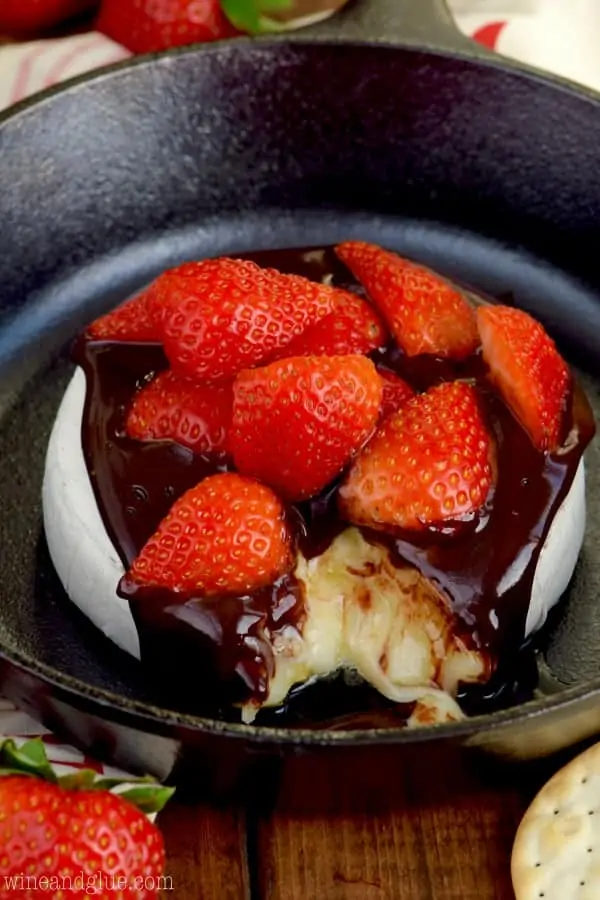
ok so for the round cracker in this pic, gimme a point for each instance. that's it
(556, 853)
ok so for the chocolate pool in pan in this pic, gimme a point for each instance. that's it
(386, 125)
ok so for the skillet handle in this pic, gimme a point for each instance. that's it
(424, 22)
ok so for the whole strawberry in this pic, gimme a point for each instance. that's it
(22, 17)
(219, 316)
(144, 26)
(227, 535)
(528, 370)
(46, 832)
(177, 409)
(298, 422)
(69, 836)
(424, 313)
(429, 462)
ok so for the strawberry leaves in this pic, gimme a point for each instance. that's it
(253, 16)
(31, 759)
(28, 759)
(149, 798)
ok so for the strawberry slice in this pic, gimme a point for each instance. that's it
(133, 320)
(395, 392)
(424, 313)
(222, 315)
(226, 535)
(530, 373)
(176, 409)
(353, 328)
(298, 422)
(427, 463)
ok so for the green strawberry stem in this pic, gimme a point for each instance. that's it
(252, 16)
(30, 759)
(148, 798)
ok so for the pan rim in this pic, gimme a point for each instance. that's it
(476, 57)
(135, 713)
(98, 700)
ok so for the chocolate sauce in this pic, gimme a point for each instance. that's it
(219, 641)
(219, 650)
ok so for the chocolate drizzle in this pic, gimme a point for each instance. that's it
(218, 650)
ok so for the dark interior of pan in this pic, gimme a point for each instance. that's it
(485, 172)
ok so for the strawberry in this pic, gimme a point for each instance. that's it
(429, 462)
(298, 422)
(424, 313)
(144, 26)
(531, 375)
(68, 842)
(226, 535)
(29, 16)
(222, 315)
(131, 321)
(395, 392)
(354, 327)
(177, 409)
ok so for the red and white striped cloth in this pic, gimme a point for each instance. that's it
(560, 36)
(63, 757)
(31, 67)
(556, 35)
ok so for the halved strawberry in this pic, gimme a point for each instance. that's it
(529, 371)
(354, 327)
(177, 409)
(429, 462)
(395, 392)
(298, 422)
(131, 321)
(424, 313)
(226, 535)
(222, 315)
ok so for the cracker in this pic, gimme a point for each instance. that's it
(556, 853)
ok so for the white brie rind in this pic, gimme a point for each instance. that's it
(364, 614)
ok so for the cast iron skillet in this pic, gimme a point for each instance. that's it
(414, 138)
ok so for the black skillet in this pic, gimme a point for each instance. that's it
(384, 124)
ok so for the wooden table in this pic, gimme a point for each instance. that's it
(403, 829)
